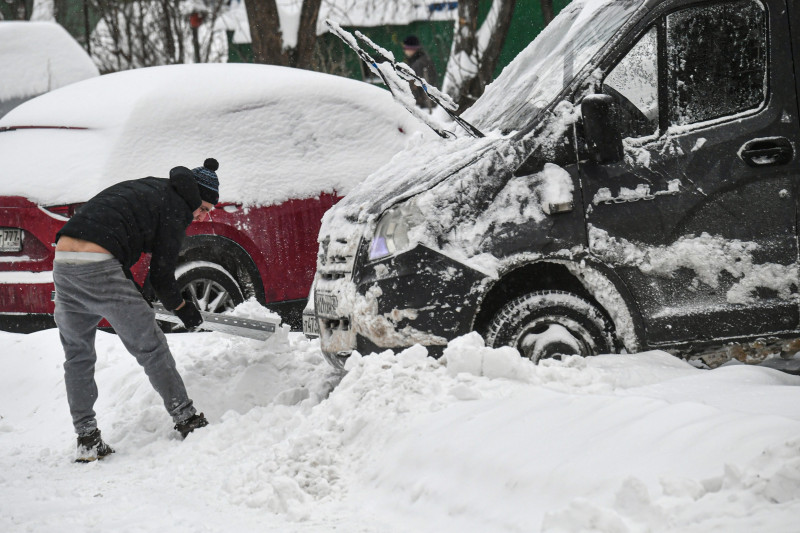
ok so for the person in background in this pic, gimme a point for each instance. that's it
(94, 253)
(423, 66)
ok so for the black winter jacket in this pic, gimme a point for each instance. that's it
(148, 215)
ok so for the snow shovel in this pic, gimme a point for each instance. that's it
(241, 327)
(232, 325)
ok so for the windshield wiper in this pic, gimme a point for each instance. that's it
(393, 74)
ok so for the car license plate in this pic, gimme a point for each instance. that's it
(310, 325)
(10, 240)
(325, 304)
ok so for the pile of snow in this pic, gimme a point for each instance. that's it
(277, 132)
(478, 441)
(36, 57)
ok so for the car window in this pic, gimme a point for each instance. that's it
(633, 83)
(716, 60)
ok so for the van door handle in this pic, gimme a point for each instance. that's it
(767, 152)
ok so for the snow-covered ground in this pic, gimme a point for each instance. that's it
(480, 441)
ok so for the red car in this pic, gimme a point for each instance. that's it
(290, 144)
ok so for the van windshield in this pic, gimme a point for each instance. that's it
(536, 76)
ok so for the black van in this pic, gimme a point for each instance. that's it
(636, 188)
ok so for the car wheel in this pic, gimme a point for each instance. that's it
(549, 324)
(209, 286)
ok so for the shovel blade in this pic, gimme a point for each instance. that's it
(232, 325)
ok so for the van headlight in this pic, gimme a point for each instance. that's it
(391, 234)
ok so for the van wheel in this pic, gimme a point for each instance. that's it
(549, 324)
(210, 286)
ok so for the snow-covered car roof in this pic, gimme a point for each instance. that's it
(277, 132)
(36, 57)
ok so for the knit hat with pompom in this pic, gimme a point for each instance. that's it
(207, 180)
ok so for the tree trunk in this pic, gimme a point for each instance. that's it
(471, 66)
(87, 27)
(491, 54)
(547, 11)
(307, 34)
(169, 38)
(265, 32)
(267, 37)
(20, 10)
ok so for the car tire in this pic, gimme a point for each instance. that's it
(550, 324)
(212, 288)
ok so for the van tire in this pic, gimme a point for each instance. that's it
(210, 286)
(548, 324)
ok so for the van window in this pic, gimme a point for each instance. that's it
(633, 83)
(716, 60)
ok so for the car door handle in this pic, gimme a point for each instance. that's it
(767, 152)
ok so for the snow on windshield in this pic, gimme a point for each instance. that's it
(547, 65)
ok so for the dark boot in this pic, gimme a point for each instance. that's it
(190, 424)
(91, 447)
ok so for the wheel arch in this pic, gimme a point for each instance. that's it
(590, 281)
(228, 254)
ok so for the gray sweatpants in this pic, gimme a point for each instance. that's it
(85, 293)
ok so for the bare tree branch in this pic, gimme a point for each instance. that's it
(141, 33)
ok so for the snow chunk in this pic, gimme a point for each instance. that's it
(469, 354)
(251, 308)
(556, 187)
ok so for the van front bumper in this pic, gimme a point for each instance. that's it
(418, 297)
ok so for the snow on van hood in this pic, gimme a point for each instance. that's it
(443, 171)
(277, 132)
(415, 170)
(464, 192)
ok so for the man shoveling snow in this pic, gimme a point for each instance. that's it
(91, 272)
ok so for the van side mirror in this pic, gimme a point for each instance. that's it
(602, 137)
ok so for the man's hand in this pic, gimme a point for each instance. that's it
(189, 315)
